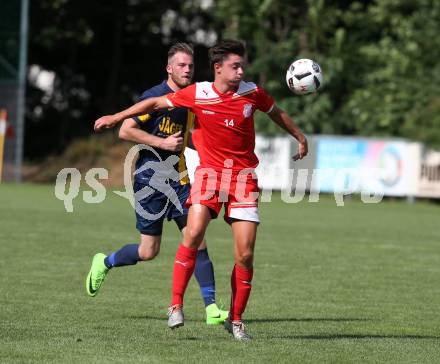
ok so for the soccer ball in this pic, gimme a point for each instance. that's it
(304, 76)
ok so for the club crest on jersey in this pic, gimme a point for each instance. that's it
(247, 110)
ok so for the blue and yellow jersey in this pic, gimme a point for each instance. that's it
(163, 123)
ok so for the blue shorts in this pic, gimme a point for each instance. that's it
(152, 210)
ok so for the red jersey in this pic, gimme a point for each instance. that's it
(224, 125)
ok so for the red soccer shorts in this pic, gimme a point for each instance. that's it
(238, 191)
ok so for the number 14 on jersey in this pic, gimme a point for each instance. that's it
(229, 122)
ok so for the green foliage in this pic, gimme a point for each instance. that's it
(400, 88)
(9, 40)
(104, 55)
(380, 61)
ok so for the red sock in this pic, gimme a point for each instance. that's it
(183, 269)
(241, 289)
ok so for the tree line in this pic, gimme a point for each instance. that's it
(380, 61)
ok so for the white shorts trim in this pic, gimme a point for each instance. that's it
(245, 213)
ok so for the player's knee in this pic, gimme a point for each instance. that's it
(194, 235)
(148, 253)
(245, 258)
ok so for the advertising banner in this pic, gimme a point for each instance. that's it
(387, 167)
(429, 178)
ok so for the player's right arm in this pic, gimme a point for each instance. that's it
(281, 118)
(146, 106)
(131, 132)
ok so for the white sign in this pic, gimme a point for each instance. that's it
(274, 155)
(429, 177)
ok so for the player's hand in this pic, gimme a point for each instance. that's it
(105, 122)
(173, 143)
(303, 149)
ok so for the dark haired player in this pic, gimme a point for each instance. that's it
(224, 137)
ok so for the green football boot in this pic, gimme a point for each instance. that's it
(97, 274)
(214, 315)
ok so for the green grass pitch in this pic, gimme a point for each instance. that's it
(353, 284)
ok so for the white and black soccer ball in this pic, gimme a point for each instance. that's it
(304, 76)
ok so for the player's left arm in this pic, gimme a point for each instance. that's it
(281, 118)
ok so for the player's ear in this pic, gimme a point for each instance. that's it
(217, 66)
(168, 68)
